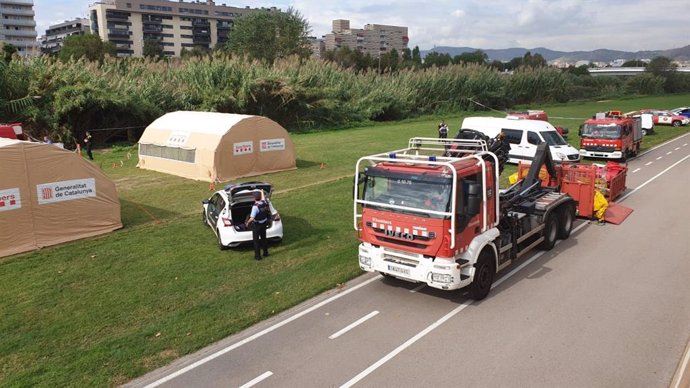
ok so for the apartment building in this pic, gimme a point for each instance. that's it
(374, 39)
(17, 25)
(175, 25)
(51, 42)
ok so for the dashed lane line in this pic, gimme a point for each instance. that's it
(467, 303)
(257, 380)
(659, 158)
(636, 170)
(354, 324)
(648, 163)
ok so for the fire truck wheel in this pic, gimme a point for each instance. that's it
(220, 243)
(550, 232)
(567, 218)
(484, 272)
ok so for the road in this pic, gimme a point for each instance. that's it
(609, 307)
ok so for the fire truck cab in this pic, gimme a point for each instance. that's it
(611, 135)
(440, 220)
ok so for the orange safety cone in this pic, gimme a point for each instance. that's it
(212, 186)
(322, 166)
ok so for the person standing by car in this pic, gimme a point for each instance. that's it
(258, 220)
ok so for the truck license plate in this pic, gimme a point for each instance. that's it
(402, 271)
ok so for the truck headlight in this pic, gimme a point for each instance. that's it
(441, 277)
(365, 260)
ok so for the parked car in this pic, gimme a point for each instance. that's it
(682, 111)
(666, 117)
(227, 211)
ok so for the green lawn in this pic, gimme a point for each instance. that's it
(105, 310)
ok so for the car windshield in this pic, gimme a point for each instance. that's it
(553, 138)
(411, 193)
(602, 131)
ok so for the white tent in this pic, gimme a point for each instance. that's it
(212, 146)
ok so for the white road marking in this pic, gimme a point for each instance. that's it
(443, 319)
(659, 158)
(669, 152)
(663, 144)
(354, 324)
(259, 334)
(419, 287)
(636, 170)
(455, 311)
(648, 163)
(677, 148)
(338, 296)
(257, 380)
(682, 367)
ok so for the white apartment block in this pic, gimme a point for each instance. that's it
(175, 25)
(374, 39)
(17, 25)
(51, 42)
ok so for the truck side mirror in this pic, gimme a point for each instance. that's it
(474, 199)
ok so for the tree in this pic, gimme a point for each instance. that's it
(536, 60)
(478, 57)
(89, 46)
(8, 50)
(634, 63)
(437, 59)
(661, 66)
(153, 48)
(416, 56)
(269, 35)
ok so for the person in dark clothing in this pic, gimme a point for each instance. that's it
(443, 130)
(258, 219)
(88, 144)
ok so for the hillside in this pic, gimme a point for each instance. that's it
(600, 55)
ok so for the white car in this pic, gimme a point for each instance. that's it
(227, 210)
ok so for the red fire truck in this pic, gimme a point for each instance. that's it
(428, 215)
(611, 136)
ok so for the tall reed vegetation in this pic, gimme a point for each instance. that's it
(73, 96)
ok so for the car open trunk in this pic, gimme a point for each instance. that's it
(240, 212)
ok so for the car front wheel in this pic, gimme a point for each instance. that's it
(676, 123)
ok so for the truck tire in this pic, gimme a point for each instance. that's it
(566, 219)
(484, 271)
(676, 123)
(550, 232)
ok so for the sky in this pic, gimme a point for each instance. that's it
(563, 25)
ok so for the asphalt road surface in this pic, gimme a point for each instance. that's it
(609, 307)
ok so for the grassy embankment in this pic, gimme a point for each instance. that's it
(102, 311)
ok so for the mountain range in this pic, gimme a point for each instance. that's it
(601, 55)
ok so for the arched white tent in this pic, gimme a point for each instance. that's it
(211, 146)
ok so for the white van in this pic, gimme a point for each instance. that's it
(523, 136)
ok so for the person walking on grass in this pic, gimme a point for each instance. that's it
(88, 143)
(258, 220)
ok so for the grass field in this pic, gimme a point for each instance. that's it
(102, 311)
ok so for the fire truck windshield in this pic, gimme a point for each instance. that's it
(602, 131)
(419, 195)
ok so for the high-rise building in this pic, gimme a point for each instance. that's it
(17, 25)
(174, 25)
(374, 39)
(51, 42)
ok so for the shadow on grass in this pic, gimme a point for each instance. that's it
(134, 214)
(301, 163)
